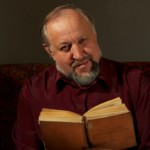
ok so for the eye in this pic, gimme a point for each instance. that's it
(65, 48)
(82, 41)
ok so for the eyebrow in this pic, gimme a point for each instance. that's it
(62, 43)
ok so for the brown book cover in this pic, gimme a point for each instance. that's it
(106, 126)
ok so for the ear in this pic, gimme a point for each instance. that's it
(48, 50)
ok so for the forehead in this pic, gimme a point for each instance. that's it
(67, 23)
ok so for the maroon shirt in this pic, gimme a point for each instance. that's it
(49, 90)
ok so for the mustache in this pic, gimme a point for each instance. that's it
(76, 63)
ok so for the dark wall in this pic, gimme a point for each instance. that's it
(123, 28)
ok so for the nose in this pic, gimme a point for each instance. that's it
(77, 52)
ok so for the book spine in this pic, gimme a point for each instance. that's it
(86, 132)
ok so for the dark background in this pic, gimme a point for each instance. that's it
(123, 28)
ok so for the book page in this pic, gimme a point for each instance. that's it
(115, 101)
(106, 112)
(59, 116)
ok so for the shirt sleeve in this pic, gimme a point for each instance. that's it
(141, 99)
(25, 134)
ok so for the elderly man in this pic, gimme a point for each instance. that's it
(80, 79)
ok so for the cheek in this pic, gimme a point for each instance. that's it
(94, 51)
(62, 59)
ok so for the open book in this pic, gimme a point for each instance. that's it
(107, 126)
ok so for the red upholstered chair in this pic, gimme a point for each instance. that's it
(11, 79)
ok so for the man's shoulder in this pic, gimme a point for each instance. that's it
(47, 75)
(112, 66)
(112, 63)
(123, 68)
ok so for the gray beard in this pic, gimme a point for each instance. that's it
(79, 79)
